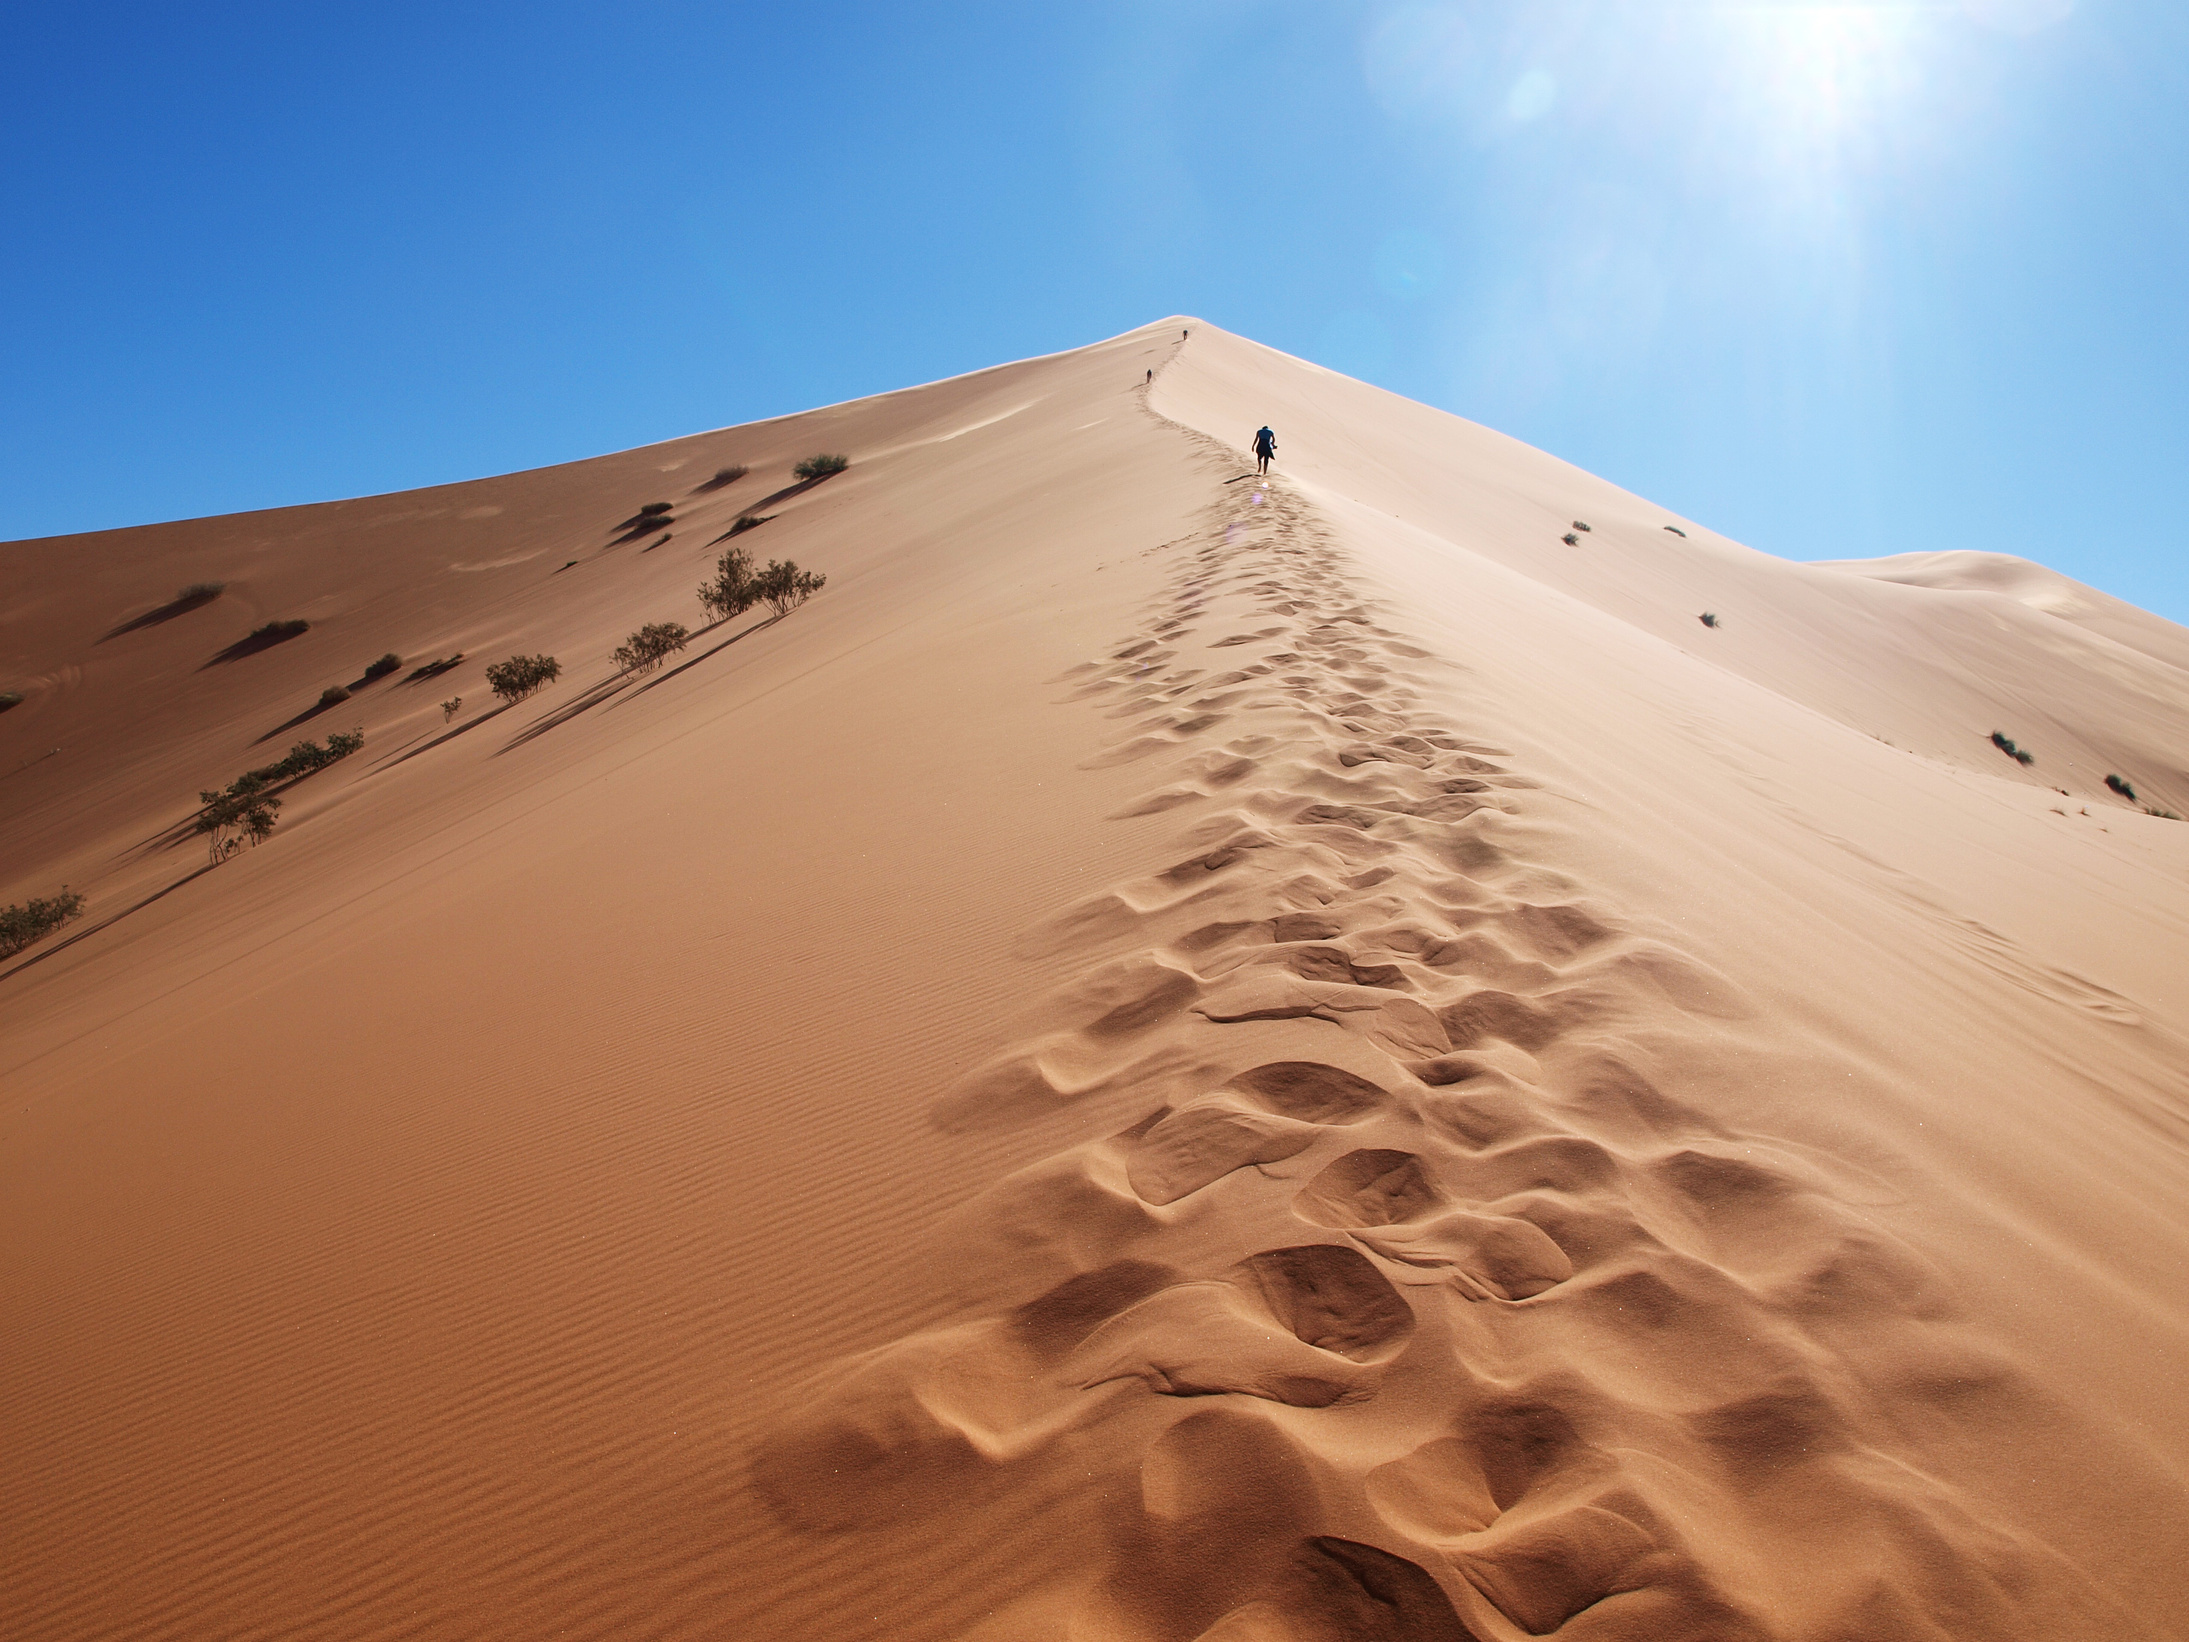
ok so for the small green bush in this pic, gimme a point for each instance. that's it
(10, 698)
(274, 630)
(244, 812)
(2121, 787)
(1570, 539)
(731, 474)
(731, 592)
(451, 707)
(2019, 755)
(820, 467)
(653, 510)
(1709, 618)
(521, 676)
(783, 587)
(384, 666)
(749, 521)
(201, 592)
(307, 756)
(434, 669)
(2163, 815)
(333, 696)
(37, 918)
(650, 646)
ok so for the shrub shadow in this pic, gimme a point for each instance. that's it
(610, 688)
(305, 717)
(58, 947)
(685, 666)
(250, 645)
(562, 715)
(166, 612)
(440, 665)
(464, 728)
(783, 495)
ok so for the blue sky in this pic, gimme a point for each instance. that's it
(1839, 279)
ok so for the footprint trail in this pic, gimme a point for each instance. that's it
(1401, 1295)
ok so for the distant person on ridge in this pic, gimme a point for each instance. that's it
(1265, 448)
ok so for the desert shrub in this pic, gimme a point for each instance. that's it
(749, 521)
(653, 510)
(783, 587)
(333, 696)
(10, 698)
(650, 646)
(731, 474)
(1677, 531)
(2019, 755)
(37, 918)
(820, 467)
(1570, 539)
(244, 812)
(201, 592)
(384, 666)
(1579, 525)
(2163, 815)
(276, 630)
(521, 676)
(731, 592)
(435, 668)
(307, 756)
(2123, 788)
(1709, 618)
(451, 707)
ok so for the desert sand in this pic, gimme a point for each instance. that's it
(1171, 1057)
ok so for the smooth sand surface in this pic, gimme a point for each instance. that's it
(1170, 1057)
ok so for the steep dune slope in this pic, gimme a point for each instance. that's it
(1171, 1057)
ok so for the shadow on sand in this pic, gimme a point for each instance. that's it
(465, 728)
(265, 638)
(610, 688)
(166, 612)
(305, 717)
(783, 495)
(89, 930)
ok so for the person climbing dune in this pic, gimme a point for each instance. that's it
(1265, 448)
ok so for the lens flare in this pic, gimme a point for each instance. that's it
(1533, 95)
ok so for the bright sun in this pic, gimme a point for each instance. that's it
(1821, 73)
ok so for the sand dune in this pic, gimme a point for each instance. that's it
(1172, 1057)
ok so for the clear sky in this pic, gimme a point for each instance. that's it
(1839, 279)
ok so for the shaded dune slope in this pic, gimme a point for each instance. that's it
(1173, 1058)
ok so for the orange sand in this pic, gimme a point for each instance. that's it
(1165, 1059)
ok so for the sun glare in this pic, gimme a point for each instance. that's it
(1819, 74)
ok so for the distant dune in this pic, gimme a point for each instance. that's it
(1170, 1057)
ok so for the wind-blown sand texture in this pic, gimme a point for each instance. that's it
(1169, 1058)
